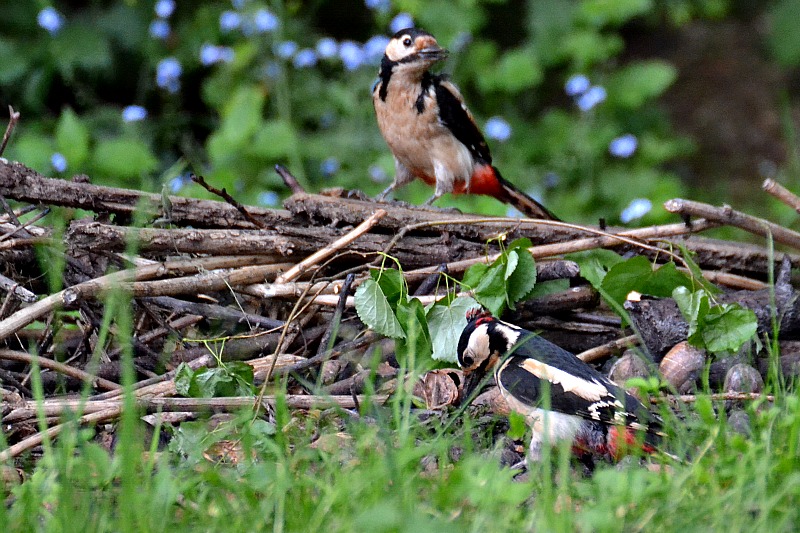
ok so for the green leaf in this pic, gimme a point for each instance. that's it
(374, 310)
(784, 39)
(517, 425)
(241, 115)
(183, 379)
(694, 307)
(612, 12)
(694, 268)
(637, 274)
(80, 47)
(124, 158)
(523, 279)
(596, 264)
(718, 328)
(517, 70)
(512, 258)
(491, 291)
(728, 327)
(445, 323)
(638, 82)
(206, 383)
(275, 139)
(411, 316)
(72, 139)
(474, 275)
(392, 284)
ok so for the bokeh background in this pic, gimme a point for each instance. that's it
(598, 108)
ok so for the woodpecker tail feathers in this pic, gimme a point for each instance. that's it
(521, 201)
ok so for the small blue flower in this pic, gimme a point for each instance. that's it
(177, 183)
(551, 180)
(165, 8)
(134, 113)
(513, 212)
(636, 209)
(268, 198)
(378, 5)
(159, 29)
(374, 48)
(168, 74)
(211, 54)
(498, 129)
(351, 55)
(272, 70)
(305, 58)
(327, 48)
(577, 85)
(265, 21)
(59, 162)
(229, 21)
(329, 167)
(623, 146)
(50, 19)
(286, 49)
(401, 22)
(377, 174)
(591, 98)
(238, 4)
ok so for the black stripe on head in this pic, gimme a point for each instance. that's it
(411, 32)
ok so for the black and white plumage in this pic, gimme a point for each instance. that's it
(426, 123)
(562, 398)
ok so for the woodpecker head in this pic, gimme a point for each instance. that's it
(413, 49)
(482, 345)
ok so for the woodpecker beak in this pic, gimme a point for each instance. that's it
(471, 381)
(433, 52)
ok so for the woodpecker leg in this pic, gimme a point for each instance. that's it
(401, 176)
(444, 181)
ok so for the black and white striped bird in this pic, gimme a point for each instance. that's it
(562, 398)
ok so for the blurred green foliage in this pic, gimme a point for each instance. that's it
(231, 89)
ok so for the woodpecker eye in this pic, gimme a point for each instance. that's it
(466, 361)
(407, 42)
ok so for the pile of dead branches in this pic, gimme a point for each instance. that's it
(277, 284)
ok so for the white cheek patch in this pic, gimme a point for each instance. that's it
(478, 346)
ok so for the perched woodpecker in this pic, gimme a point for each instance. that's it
(562, 398)
(431, 132)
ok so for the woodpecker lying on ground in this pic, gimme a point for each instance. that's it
(583, 407)
(431, 132)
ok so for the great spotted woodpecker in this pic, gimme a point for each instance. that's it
(562, 398)
(431, 132)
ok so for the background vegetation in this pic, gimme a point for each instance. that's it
(601, 109)
(581, 100)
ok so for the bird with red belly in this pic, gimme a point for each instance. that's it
(431, 132)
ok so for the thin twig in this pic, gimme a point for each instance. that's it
(782, 193)
(13, 119)
(289, 179)
(608, 349)
(61, 368)
(332, 248)
(16, 289)
(729, 216)
(222, 193)
(723, 396)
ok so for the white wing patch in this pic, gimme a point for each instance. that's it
(591, 391)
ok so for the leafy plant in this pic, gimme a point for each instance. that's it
(719, 328)
(383, 304)
(232, 378)
(507, 280)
